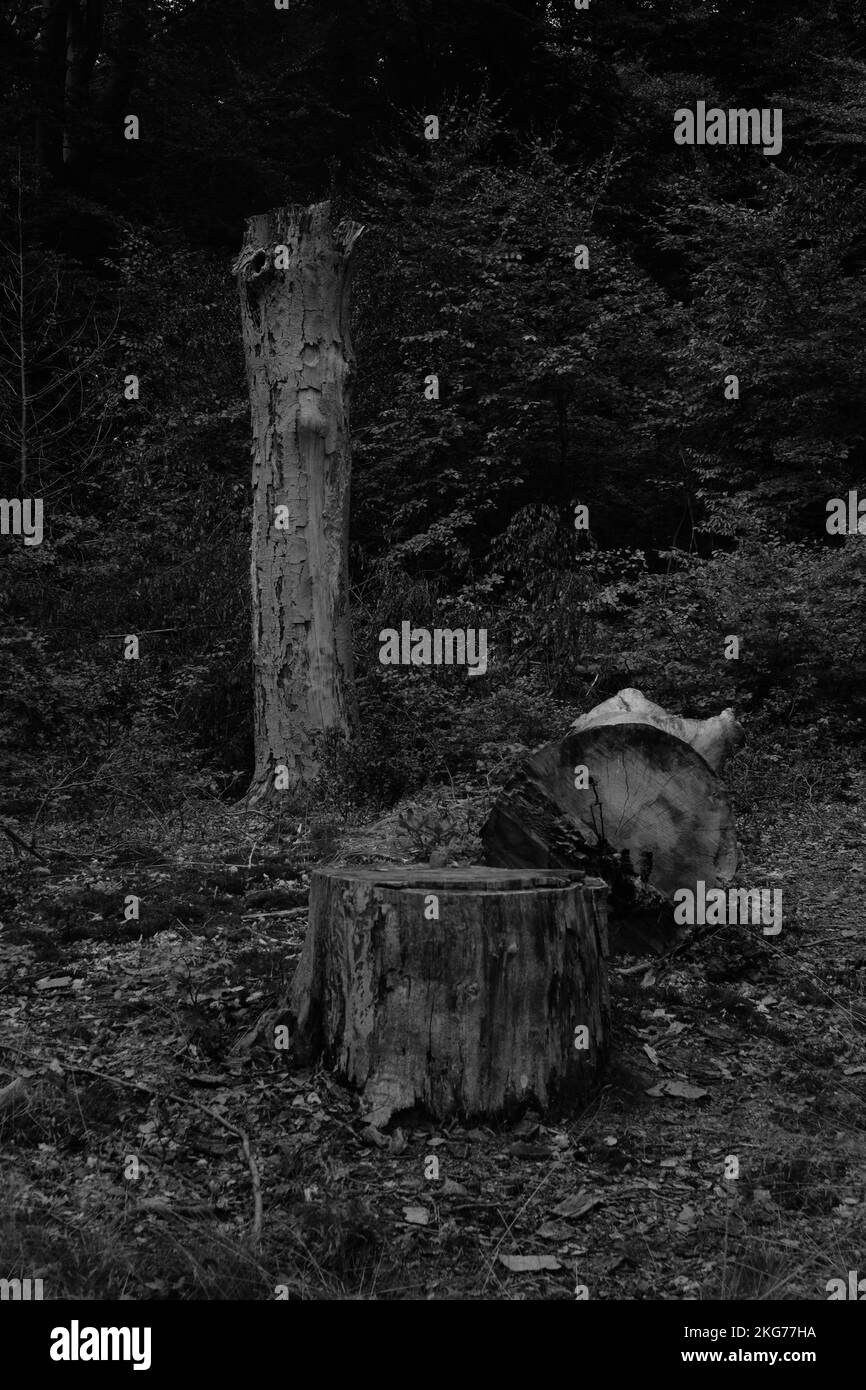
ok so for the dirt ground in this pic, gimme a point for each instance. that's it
(155, 1145)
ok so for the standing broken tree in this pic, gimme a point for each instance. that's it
(293, 277)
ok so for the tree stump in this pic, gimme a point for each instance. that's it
(469, 991)
(625, 795)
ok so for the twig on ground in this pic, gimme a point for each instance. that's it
(22, 844)
(679, 949)
(212, 1114)
(277, 912)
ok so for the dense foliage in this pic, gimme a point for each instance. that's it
(603, 387)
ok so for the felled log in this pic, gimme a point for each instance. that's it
(470, 991)
(632, 794)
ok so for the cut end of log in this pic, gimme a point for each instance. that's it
(631, 794)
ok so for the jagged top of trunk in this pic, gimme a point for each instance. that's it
(290, 224)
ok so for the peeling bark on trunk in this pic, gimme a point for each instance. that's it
(473, 1011)
(299, 366)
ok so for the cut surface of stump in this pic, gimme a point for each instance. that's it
(470, 991)
(653, 816)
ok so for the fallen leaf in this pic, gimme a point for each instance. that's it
(762, 1208)
(577, 1205)
(160, 1206)
(683, 1089)
(527, 1264)
(526, 1129)
(397, 1142)
(554, 1230)
(373, 1136)
(417, 1216)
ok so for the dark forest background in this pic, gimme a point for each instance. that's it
(602, 387)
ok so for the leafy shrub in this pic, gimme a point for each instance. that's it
(797, 610)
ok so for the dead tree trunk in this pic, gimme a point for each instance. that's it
(50, 76)
(293, 279)
(464, 991)
(625, 795)
(84, 29)
(68, 43)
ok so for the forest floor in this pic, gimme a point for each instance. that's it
(155, 1145)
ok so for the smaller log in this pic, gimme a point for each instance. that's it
(471, 992)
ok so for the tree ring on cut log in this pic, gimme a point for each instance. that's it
(653, 807)
(649, 793)
(468, 991)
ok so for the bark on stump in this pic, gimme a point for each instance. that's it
(475, 1012)
(293, 278)
(654, 817)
